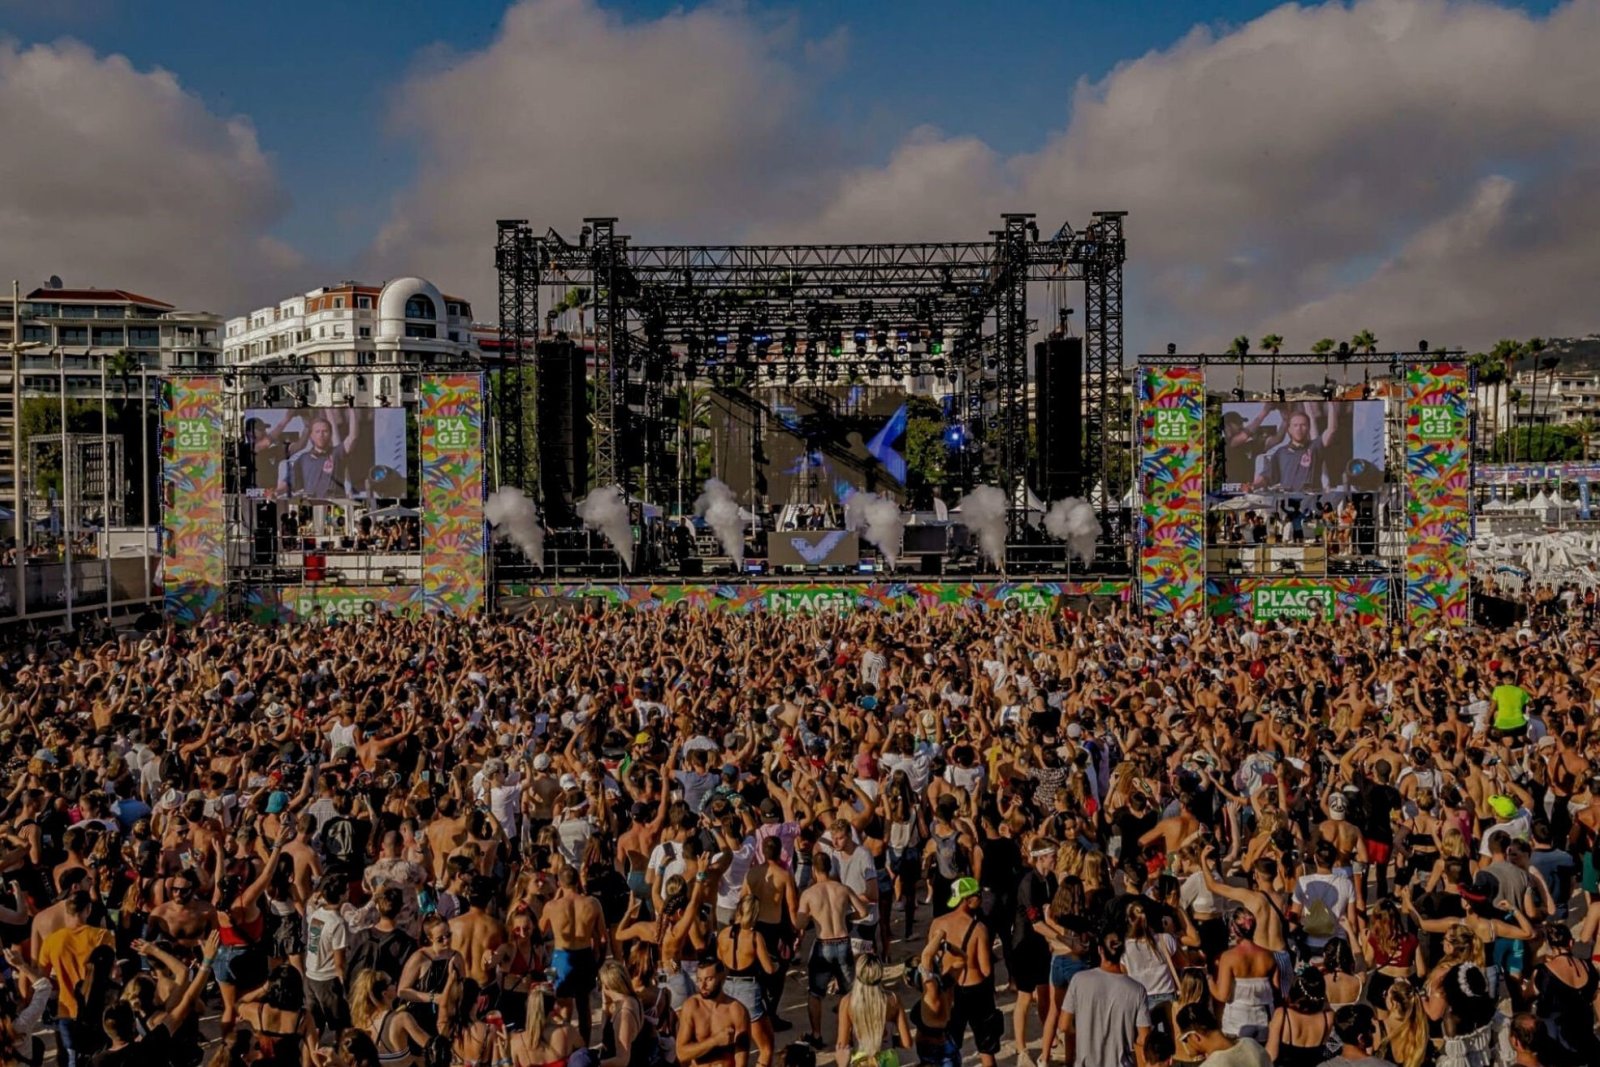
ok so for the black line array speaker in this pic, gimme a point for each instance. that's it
(265, 532)
(562, 414)
(1058, 418)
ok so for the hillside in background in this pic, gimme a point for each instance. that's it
(1577, 353)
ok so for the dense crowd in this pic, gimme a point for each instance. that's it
(725, 840)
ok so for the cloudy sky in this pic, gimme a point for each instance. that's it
(1422, 168)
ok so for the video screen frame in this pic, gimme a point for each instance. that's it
(310, 454)
(1303, 448)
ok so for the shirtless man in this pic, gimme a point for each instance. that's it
(964, 937)
(476, 934)
(1167, 837)
(444, 835)
(577, 929)
(1263, 903)
(54, 917)
(307, 867)
(776, 919)
(1350, 847)
(829, 904)
(183, 917)
(713, 1028)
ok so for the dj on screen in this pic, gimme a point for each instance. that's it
(322, 469)
(1298, 462)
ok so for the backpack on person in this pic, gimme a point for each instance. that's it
(950, 858)
(1319, 920)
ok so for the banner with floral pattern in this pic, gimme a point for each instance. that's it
(1438, 493)
(1366, 600)
(1172, 518)
(454, 537)
(808, 597)
(193, 518)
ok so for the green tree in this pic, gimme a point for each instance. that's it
(1365, 341)
(1240, 347)
(1540, 444)
(1323, 346)
(1273, 343)
(926, 452)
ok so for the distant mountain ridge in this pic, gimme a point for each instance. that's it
(1576, 353)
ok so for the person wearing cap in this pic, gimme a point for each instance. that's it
(966, 939)
(1350, 845)
(1511, 818)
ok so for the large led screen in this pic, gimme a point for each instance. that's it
(326, 453)
(1305, 447)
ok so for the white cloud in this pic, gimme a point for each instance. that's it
(121, 178)
(674, 125)
(1423, 168)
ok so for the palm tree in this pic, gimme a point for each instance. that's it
(1323, 347)
(1273, 343)
(578, 300)
(1364, 341)
(124, 365)
(1240, 348)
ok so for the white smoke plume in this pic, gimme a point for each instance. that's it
(1073, 520)
(880, 520)
(720, 509)
(983, 511)
(515, 518)
(606, 509)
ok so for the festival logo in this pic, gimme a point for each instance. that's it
(1437, 422)
(1293, 602)
(454, 433)
(1171, 425)
(192, 436)
(812, 601)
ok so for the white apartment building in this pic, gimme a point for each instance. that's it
(335, 333)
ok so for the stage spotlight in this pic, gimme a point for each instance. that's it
(1281, 396)
(955, 436)
(1327, 389)
(833, 372)
(1344, 348)
(1172, 349)
(1238, 394)
(1422, 346)
(789, 341)
(793, 375)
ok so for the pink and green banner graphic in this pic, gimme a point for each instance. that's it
(1438, 493)
(1364, 600)
(454, 560)
(194, 567)
(1172, 518)
(809, 598)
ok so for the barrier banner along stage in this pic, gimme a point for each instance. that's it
(1172, 519)
(812, 598)
(1438, 493)
(454, 541)
(193, 518)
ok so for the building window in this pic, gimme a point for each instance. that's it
(338, 303)
(364, 303)
(74, 335)
(108, 335)
(420, 307)
(364, 331)
(36, 333)
(414, 330)
(144, 336)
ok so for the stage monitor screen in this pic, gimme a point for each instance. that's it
(345, 453)
(1303, 447)
(813, 548)
(809, 444)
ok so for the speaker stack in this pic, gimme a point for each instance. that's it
(562, 431)
(1058, 417)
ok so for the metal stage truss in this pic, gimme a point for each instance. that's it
(724, 314)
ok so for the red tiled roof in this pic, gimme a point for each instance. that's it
(114, 295)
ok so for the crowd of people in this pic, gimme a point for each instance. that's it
(728, 840)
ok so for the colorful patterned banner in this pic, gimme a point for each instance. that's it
(326, 603)
(1172, 520)
(454, 560)
(1438, 493)
(193, 515)
(1267, 599)
(516, 598)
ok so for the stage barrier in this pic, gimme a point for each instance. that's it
(1172, 520)
(454, 537)
(1438, 493)
(193, 513)
(516, 598)
(324, 603)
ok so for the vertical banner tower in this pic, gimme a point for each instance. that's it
(1438, 493)
(454, 545)
(1172, 517)
(194, 566)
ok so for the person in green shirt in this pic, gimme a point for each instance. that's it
(1510, 703)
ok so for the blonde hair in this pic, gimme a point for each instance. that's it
(1453, 845)
(1460, 946)
(1094, 870)
(1192, 988)
(364, 994)
(1069, 860)
(614, 979)
(747, 911)
(535, 1023)
(869, 1007)
(1405, 1039)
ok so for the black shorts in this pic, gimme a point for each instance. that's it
(975, 1010)
(1029, 964)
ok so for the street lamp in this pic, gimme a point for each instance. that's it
(16, 348)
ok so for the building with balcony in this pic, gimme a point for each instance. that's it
(1546, 397)
(332, 335)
